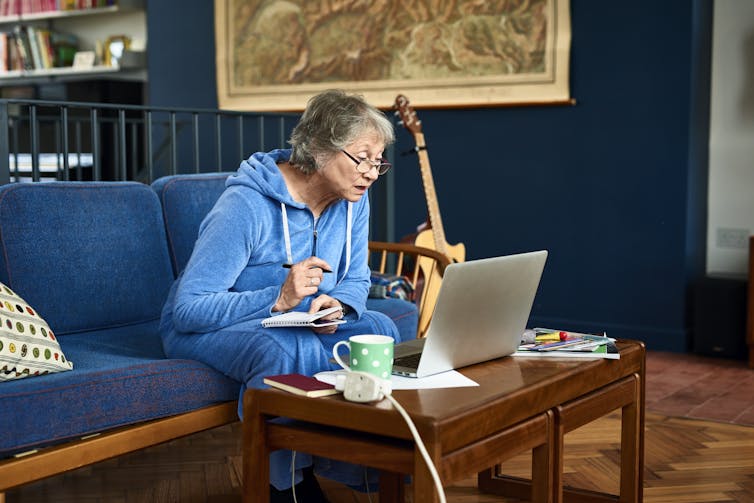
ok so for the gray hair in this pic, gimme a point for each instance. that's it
(332, 120)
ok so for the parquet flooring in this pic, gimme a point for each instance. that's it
(686, 460)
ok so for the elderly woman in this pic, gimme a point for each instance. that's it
(288, 233)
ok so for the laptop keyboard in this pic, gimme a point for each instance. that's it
(410, 361)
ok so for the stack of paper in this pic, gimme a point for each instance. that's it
(565, 344)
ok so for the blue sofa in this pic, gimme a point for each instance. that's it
(96, 260)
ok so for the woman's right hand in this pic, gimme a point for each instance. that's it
(303, 280)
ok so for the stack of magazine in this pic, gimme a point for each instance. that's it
(551, 343)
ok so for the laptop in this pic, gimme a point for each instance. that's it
(481, 313)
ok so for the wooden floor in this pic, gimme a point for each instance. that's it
(699, 387)
(687, 460)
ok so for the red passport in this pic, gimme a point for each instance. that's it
(300, 385)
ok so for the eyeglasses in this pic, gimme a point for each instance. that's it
(366, 165)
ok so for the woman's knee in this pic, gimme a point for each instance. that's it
(250, 357)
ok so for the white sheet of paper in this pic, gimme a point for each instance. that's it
(449, 379)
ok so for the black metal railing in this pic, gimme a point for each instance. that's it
(95, 141)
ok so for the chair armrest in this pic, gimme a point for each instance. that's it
(423, 266)
(406, 250)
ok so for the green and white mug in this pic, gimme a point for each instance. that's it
(368, 353)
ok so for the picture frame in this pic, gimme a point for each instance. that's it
(274, 55)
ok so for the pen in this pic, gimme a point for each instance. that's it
(288, 266)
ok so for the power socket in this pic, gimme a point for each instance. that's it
(362, 387)
(732, 238)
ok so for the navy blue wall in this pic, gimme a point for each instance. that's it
(181, 55)
(614, 186)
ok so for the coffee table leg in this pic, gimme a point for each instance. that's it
(547, 460)
(391, 487)
(256, 455)
(424, 485)
(558, 449)
(540, 488)
(631, 439)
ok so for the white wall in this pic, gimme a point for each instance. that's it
(96, 28)
(731, 147)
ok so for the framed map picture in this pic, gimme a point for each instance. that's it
(273, 55)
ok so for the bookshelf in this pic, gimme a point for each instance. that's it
(91, 26)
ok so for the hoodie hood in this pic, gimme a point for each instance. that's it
(260, 172)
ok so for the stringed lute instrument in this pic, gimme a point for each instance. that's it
(432, 233)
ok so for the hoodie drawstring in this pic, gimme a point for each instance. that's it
(349, 229)
(286, 236)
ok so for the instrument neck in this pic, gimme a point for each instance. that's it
(433, 207)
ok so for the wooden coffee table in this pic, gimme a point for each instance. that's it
(521, 404)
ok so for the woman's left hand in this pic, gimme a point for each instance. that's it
(324, 302)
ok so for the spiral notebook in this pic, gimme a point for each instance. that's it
(302, 319)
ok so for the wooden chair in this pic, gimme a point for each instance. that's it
(750, 305)
(423, 267)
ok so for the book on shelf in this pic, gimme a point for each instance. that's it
(12, 54)
(64, 47)
(86, 4)
(22, 7)
(4, 52)
(300, 385)
(10, 7)
(302, 319)
(36, 52)
(42, 39)
(24, 49)
(567, 345)
(35, 48)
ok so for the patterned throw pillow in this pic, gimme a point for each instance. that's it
(27, 345)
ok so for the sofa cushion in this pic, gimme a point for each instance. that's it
(27, 345)
(121, 377)
(186, 200)
(88, 255)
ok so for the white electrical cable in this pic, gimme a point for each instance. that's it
(293, 476)
(366, 484)
(363, 387)
(420, 445)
